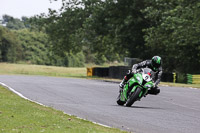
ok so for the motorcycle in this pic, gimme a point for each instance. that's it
(136, 87)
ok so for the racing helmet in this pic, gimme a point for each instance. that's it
(156, 62)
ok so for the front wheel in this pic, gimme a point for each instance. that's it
(119, 102)
(134, 96)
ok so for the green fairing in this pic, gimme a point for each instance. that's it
(136, 87)
(136, 78)
(148, 85)
(133, 80)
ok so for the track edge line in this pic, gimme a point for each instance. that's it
(22, 96)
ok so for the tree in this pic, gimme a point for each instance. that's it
(174, 33)
(13, 23)
(36, 49)
(10, 50)
(34, 46)
(109, 30)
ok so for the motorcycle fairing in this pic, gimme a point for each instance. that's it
(136, 81)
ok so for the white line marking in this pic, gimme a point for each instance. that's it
(193, 88)
(165, 85)
(19, 94)
(22, 96)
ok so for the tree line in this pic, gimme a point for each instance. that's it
(22, 43)
(96, 31)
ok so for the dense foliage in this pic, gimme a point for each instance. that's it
(10, 50)
(14, 23)
(33, 47)
(104, 31)
(174, 33)
(98, 31)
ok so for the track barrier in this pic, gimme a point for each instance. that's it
(174, 77)
(100, 71)
(193, 79)
(118, 72)
(189, 78)
(90, 72)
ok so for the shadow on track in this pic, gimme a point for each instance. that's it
(139, 107)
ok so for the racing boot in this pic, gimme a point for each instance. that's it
(154, 91)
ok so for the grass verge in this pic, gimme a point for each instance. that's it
(181, 85)
(6, 68)
(18, 115)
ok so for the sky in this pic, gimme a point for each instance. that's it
(28, 8)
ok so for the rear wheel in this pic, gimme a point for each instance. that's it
(134, 96)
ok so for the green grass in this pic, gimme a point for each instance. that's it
(181, 85)
(22, 116)
(6, 68)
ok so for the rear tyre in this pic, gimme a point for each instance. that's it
(134, 96)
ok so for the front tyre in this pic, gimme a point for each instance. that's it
(134, 96)
(119, 102)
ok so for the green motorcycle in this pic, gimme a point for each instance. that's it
(136, 87)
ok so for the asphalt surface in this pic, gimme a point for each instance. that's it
(174, 110)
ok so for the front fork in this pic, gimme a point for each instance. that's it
(127, 90)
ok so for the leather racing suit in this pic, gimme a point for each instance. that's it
(156, 76)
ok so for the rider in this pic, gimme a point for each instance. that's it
(154, 64)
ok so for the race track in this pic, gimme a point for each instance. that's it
(174, 110)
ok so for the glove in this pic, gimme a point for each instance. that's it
(134, 71)
(154, 85)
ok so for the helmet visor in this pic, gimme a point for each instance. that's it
(155, 64)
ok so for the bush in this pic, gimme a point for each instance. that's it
(181, 78)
